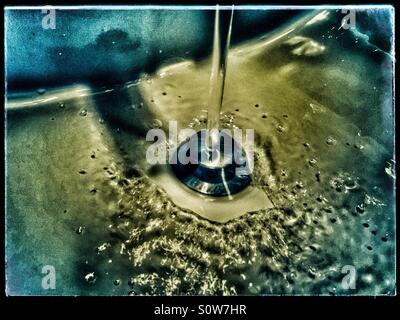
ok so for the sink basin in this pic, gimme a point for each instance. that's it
(81, 196)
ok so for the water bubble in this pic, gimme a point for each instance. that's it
(90, 278)
(82, 172)
(264, 116)
(117, 282)
(280, 128)
(83, 112)
(41, 91)
(61, 105)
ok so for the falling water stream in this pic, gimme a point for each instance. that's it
(222, 38)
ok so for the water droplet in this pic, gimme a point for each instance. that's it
(79, 230)
(61, 105)
(280, 128)
(390, 169)
(103, 247)
(299, 184)
(312, 162)
(358, 146)
(156, 123)
(360, 208)
(90, 278)
(83, 112)
(350, 184)
(330, 141)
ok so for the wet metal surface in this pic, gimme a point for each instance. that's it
(81, 196)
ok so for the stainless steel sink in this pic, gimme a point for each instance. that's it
(82, 198)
